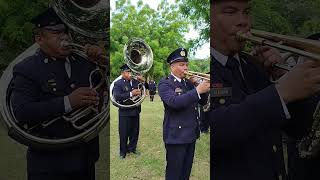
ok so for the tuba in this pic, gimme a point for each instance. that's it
(139, 58)
(88, 22)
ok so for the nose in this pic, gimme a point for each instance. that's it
(185, 68)
(243, 20)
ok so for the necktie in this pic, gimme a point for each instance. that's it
(234, 65)
(67, 66)
(184, 85)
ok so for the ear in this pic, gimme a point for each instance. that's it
(38, 39)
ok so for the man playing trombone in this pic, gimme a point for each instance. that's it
(181, 122)
(249, 111)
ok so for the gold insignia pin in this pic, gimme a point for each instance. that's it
(183, 53)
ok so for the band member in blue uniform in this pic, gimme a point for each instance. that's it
(152, 89)
(48, 84)
(129, 118)
(249, 112)
(180, 127)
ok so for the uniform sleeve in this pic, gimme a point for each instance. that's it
(170, 98)
(236, 123)
(26, 104)
(118, 94)
(301, 120)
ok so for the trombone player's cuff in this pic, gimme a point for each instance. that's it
(284, 107)
(67, 105)
(199, 95)
(130, 94)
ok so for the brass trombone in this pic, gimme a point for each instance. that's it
(303, 47)
(198, 75)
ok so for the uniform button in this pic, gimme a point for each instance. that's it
(222, 101)
(72, 85)
(54, 89)
(46, 60)
(179, 127)
(280, 177)
(274, 147)
(195, 108)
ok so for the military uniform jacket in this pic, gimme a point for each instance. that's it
(40, 83)
(180, 125)
(246, 141)
(121, 92)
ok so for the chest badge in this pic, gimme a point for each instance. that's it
(178, 90)
(52, 84)
(219, 91)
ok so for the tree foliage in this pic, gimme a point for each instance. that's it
(293, 17)
(16, 29)
(198, 13)
(163, 29)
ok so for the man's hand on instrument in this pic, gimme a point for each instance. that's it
(136, 92)
(301, 82)
(194, 81)
(83, 96)
(268, 57)
(95, 54)
(203, 87)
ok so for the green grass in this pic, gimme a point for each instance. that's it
(13, 158)
(150, 164)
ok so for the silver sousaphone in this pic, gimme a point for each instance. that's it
(139, 58)
(88, 22)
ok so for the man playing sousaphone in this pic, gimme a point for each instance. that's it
(129, 118)
(48, 84)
